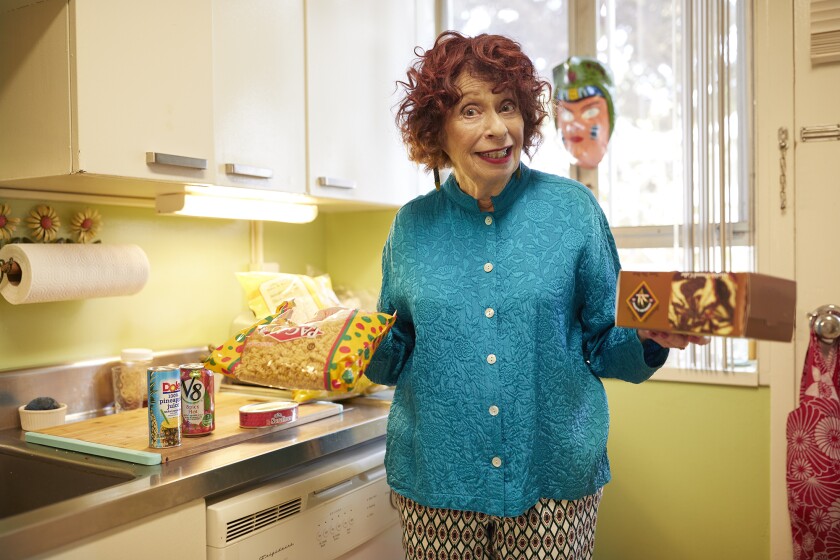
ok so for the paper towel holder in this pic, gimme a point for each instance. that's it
(11, 270)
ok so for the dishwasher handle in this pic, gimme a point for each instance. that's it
(348, 485)
(331, 492)
(373, 474)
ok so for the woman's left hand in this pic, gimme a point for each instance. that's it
(671, 340)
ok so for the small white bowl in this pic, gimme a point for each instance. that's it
(37, 419)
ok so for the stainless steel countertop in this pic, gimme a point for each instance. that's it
(161, 487)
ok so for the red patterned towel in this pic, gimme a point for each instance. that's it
(813, 458)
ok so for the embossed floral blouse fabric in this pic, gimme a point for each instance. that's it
(504, 327)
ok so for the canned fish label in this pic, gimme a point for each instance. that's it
(197, 403)
(261, 415)
(164, 406)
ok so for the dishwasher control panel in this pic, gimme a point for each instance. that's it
(318, 512)
(339, 523)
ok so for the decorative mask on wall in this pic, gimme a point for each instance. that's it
(584, 110)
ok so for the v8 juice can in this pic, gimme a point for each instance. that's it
(197, 404)
(164, 406)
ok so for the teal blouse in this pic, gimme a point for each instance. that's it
(505, 325)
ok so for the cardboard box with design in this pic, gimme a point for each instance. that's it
(735, 304)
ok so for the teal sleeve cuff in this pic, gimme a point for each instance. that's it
(655, 355)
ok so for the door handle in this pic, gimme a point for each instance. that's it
(177, 161)
(248, 170)
(337, 182)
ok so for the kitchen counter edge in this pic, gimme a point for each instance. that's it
(163, 487)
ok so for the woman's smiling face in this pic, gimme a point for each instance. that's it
(483, 136)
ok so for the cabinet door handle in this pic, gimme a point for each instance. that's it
(178, 161)
(248, 171)
(337, 182)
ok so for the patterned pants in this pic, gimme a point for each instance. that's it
(558, 529)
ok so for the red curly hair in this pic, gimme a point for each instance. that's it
(430, 91)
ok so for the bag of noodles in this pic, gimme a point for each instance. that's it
(329, 352)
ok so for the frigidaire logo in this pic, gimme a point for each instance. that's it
(641, 302)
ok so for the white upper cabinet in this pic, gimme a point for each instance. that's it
(136, 98)
(357, 50)
(142, 80)
(96, 85)
(259, 94)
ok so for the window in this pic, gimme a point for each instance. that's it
(675, 183)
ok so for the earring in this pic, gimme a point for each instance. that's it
(437, 178)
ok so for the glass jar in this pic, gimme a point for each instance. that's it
(129, 378)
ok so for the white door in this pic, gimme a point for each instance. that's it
(817, 184)
(813, 194)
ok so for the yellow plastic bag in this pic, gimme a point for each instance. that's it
(364, 386)
(266, 290)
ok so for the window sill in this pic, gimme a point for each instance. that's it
(737, 379)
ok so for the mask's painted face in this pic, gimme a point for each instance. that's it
(585, 126)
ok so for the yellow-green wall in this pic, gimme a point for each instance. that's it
(191, 298)
(690, 468)
(690, 462)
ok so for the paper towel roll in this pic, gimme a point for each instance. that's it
(59, 272)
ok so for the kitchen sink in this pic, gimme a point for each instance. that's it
(33, 479)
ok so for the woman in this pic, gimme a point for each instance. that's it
(503, 283)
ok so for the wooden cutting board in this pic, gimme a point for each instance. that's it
(125, 436)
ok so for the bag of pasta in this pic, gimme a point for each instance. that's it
(329, 352)
(225, 358)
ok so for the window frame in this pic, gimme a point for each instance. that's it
(583, 19)
(583, 35)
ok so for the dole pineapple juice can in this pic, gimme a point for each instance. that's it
(164, 406)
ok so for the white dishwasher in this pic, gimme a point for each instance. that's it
(338, 507)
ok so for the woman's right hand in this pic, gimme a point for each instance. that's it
(672, 340)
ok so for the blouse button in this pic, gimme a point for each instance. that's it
(496, 462)
(491, 358)
(488, 220)
(494, 410)
(489, 312)
(488, 267)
